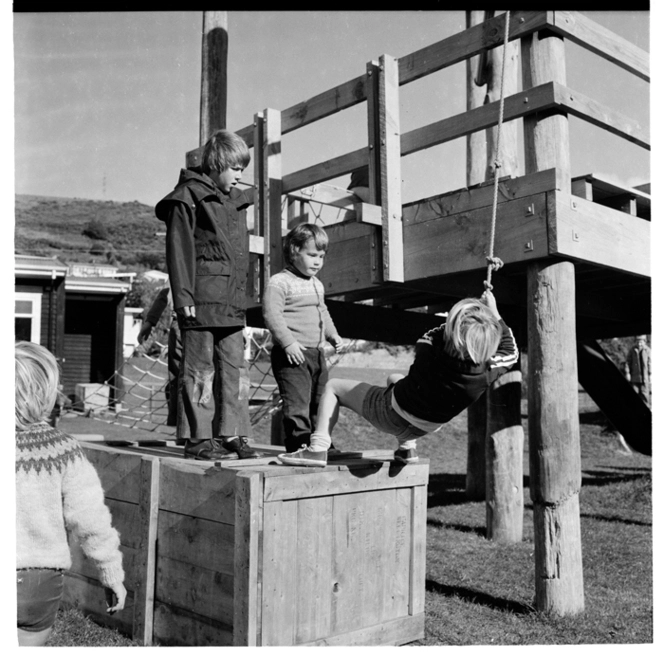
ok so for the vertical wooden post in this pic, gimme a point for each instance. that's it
(272, 217)
(389, 147)
(145, 561)
(504, 460)
(372, 87)
(553, 421)
(214, 80)
(260, 229)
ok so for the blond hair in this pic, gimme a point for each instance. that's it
(472, 331)
(225, 150)
(37, 377)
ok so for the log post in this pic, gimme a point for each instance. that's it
(214, 80)
(553, 412)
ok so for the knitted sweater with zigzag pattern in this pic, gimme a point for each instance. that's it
(58, 492)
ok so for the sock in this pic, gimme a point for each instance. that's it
(408, 444)
(320, 441)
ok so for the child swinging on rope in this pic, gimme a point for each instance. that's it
(454, 365)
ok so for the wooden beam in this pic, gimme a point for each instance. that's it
(273, 260)
(145, 563)
(587, 231)
(213, 74)
(332, 168)
(588, 34)
(390, 170)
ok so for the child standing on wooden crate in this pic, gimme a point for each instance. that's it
(57, 492)
(207, 255)
(295, 312)
(454, 365)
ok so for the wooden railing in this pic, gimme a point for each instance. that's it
(379, 87)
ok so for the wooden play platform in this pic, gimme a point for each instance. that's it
(259, 553)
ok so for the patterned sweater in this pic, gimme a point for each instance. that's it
(294, 310)
(59, 492)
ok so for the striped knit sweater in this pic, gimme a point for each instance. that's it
(294, 310)
(59, 492)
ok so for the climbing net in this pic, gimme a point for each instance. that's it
(135, 396)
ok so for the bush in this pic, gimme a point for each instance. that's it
(95, 229)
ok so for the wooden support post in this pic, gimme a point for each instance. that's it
(271, 209)
(372, 87)
(504, 460)
(553, 406)
(390, 169)
(213, 73)
(145, 561)
(553, 427)
(259, 266)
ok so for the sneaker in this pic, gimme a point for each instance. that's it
(305, 457)
(406, 455)
(205, 450)
(239, 445)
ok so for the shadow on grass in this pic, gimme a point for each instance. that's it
(480, 598)
(446, 490)
(462, 528)
(600, 478)
(615, 518)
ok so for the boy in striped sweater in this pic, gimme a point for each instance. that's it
(295, 312)
(454, 365)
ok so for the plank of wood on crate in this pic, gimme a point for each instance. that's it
(344, 479)
(118, 471)
(247, 584)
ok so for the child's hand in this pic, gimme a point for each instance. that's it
(490, 301)
(144, 332)
(294, 353)
(337, 342)
(115, 598)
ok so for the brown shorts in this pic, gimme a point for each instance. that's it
(378, 411)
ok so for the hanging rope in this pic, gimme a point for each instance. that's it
(494, 263)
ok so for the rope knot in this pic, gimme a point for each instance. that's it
(495, 263)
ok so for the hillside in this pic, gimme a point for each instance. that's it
(80, 230)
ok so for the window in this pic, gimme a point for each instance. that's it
(27, 316)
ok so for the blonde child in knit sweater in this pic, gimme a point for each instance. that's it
(58, 492)
(295, 312)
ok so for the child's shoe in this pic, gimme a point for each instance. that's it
(305, 457)
(239, 445)
(406, 456)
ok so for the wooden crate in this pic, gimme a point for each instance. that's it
(257, 553)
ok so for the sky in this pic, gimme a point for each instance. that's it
(107, 104)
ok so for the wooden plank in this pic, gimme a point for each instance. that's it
(118, 471)
(312, 557)
(178, 627)
(256, 244)
(596, 113)
(279, 585)
(518, 105)
(460, 241)
(197, 589)
(593, 233)
(397, 632)
(331, 168)
(214, 77)
(326, 195)
(394, 562)
(590, 35)
(271, 218)
(145, 566)
(367, 213)
(248, 529)
(197, 541)
(472, 41)
(471, 198)
(199, 490)
(389, 126)
(418, 548)
(370, 476)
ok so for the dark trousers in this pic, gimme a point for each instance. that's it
(174, 360)
(214, 389)
(301, 387)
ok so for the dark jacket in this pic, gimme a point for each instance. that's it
(438, 387)
(207, 250)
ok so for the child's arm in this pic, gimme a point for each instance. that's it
(181, 258)
(331, 334)
(154, 314)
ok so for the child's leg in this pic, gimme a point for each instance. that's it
(338, 392)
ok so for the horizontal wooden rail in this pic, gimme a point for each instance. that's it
(589, 35)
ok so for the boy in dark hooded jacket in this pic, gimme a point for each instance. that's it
(207, 254)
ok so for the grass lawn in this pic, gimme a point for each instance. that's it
(481, 593)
